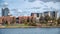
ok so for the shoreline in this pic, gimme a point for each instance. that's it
(29, 27)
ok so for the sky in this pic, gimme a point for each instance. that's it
(26, 7)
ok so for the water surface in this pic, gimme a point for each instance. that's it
(30, 31)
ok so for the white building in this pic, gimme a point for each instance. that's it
(51, 14)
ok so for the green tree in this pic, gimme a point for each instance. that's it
(47, 18)
(58, 20)
(13, 21)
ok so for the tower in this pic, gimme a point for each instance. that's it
(5, 10)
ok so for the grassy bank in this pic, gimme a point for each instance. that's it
(26, 26)
(16, 26)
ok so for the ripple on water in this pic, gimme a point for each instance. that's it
(30, 31)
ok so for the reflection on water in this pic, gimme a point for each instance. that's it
(30, 31)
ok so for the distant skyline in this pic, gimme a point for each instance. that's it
(26, 7)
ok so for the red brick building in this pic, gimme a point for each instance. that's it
(26, 18)
(13, 20)
(7, 20)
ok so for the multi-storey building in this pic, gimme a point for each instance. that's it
(7, 20)
(5, 11)
(51, 14)
(37, 16)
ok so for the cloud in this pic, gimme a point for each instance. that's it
(31, 0)
(29, 6)
(40, 6)
(53, 5)
(43, 0)
(50, 0)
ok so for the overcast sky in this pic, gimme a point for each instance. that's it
(26, 7)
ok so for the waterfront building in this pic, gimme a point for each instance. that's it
(54, 14)
(46, 13)
(17, 20)
(27, 19)
(37, 16)
(7, 20)
(51, 14)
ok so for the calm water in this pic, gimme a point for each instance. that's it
(30, 31)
